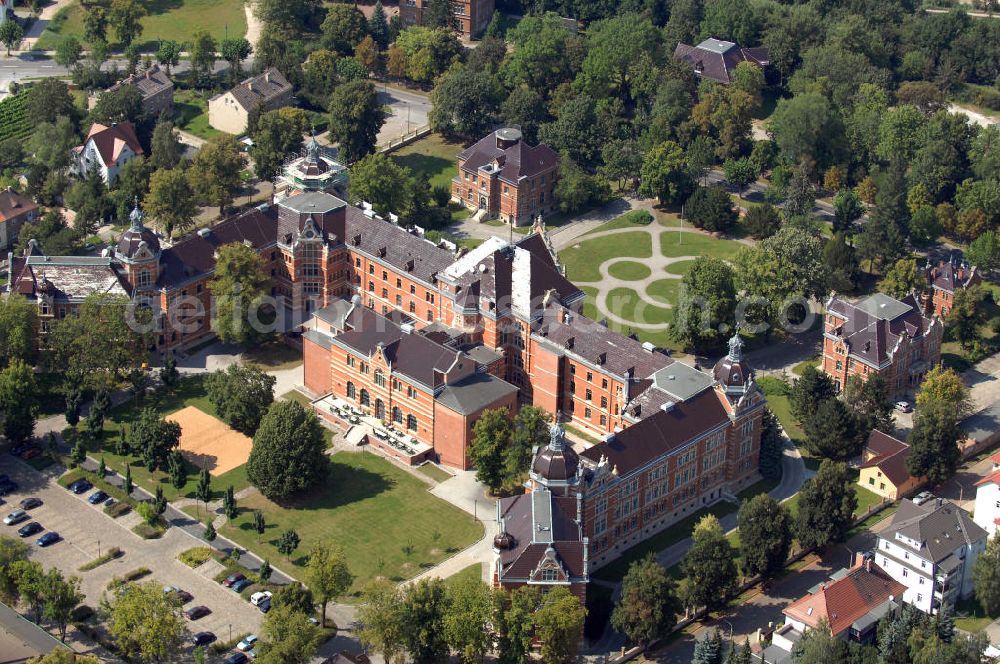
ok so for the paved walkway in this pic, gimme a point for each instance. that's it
(254, 25)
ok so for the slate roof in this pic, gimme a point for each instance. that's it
(258, 90)
(66, 278)
(408, 253)
(149, 82)
(891, 455)
(716, 59)
(951, 275)
(940, 529)
(13, 204)
(111, 141)
(473, 393)
(517, 161)
(873, 326)
(841, 603)
(521, 517)
(660, 432)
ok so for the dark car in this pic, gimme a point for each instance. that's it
(236, 658)
(240, 585)
(97, 497)
(203, 638)
(184, 596)
(31, 503)
(196, 612)
(30, 529)
(264, 606)
(80, 486)
(231, 579)
(31, 453)
(48, 538)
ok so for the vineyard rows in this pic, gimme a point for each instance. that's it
(14, 120)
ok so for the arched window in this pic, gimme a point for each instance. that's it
(379, 378)
(411, 422)
(397, 415)
(365, 399)
(350, 390)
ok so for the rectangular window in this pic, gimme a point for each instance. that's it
(589, 394)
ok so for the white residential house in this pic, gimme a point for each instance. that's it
(987, 510)
(107, 149)
(931, 549)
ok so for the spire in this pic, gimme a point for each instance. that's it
(312, 149)
(136, 217)
(736, 348)
(557, 438)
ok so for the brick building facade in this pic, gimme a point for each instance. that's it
(947, 278)
(471, 16)
(880, 335)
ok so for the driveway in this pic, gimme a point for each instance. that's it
(86, 530)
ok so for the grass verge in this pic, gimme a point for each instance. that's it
(107, 556)
(434, 472)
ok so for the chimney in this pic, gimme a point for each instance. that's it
(868, 564)
(868, 346)
(602, 358)
(409, 265)
(859, 558)
(570, 341)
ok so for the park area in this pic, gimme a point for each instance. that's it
(388, 522)
(177, 20)
(631, 269)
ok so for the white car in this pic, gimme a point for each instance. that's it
(903, 406)
(263, 596)
(922, 497)
(247, 643)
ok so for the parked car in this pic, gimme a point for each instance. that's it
(258, 597)
(30, 529)
(203, 638)
(196, 612)
(231, 579)
(15, 517)
(248, 642)
(31, 453)
(240, 585)
(264, 606)
(97, 497)
(80, 487)
(903, 406)
(236, 658)
(109, 502)
(48, 538)
(31, 503)
(922, 497)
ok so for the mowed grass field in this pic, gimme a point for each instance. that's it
(178, 20)
(388, 522)
(433, 156)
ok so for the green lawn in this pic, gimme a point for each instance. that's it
(969, 615)
(165, 19)
(374, 510)
(801, 367)
(434, 472)
(629, 270)
(295, 395)
(626, 303)
(472, 572)
(664, 290)
(680, 267)
(274, 356)
(675, 243)
(188, 392)
(192, 110)
(433, 156)
(582, 259)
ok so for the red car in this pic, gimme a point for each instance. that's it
(31, 453)
(231, 579)
(196, 612)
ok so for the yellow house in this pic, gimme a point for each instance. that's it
(230, 111)
(883, 467)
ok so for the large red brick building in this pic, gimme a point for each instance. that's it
(880, 335)
(471, 16)
(507, 178)
(947, 278)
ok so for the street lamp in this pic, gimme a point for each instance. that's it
(730, 631)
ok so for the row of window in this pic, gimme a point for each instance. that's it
(364, 398)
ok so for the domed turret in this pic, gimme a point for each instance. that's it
(136, 236)
(732, 372)
(313, 164)
(556, 462)
(504, 541)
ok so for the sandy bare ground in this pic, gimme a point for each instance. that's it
(208, 442)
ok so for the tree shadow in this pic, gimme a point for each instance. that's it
(342, 485)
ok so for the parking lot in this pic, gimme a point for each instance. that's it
(86, 530)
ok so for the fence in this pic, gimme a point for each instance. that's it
(405, 139)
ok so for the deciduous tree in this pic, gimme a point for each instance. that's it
(327, 573)
(153, 438)
(826, 506)
(468, 619)
(944, 385)
(706, 308)
(648, 606)
(559, 622)
(287, 637)
(986, 577)
(710, 566)
(424, 605)
(169, 54)
(380, 181)
(984, 251)
(277, 135)
(740, 173)
(765, 536)
(288, 453)
(342, 29)
(18, 319)
(967, 314)
(847, 209)
(664, 174)
(241, 395)
(215, 171)
(491, 438)
(934, 452)
(238, 286)
(171, 200)
(59, 597)
(126, 17)
(12, 550)
(235, 50)
(464, 103)
(356, 116)
(18, 401)
(11, 35)
(145, 622)
(868, 401)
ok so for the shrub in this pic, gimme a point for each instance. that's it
(637, 218)
(146, 531)
(137, 573)
(118, 509)
(110, 554)
(774, 387)
(81, 613)
(195, 556)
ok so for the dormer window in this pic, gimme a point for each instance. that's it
(550, 575)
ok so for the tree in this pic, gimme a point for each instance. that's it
(209, 533)
(706, 304)
(381, 616)
(934, 452)
(11, 35)
(259, 524)
(464, 103)
(967, 315)
(943, 385)
(153, 438)
(229, 503)
(368, 55)
(295, 596)
(127, 485)
(984, 252)
(277, 134)
(177, 469)
(468, 619)
(265, 571)
(202, 52)
(239, 284)
(343, 28)
(515, 624)
(356, 116)
(288, 453)
(648, 606)
(577, 190)
(424, 604)
(18, 401)
(811, 389)
(60, 656)
(327, 573)
(868, 401)
(708, 650)
(122, 105)
(771, 447)
(145, 622)
(169, 54)
(30, 579)
(491, 437)
(664, 174)
(378, 25)
(847, 209)
(78, 453)
(440, 14)
(710, 566)
(559, 622)
(762, 221)
(241, 395)
(380, 181)
(740, 173)
(12, 551)
(171, 200)
(126, 15)
(235, 50)
(59, 597)
(18, 319)
(69, 51)
(287, 637)
(986, 577)
(818, 646)
(166, 150)
(622, 161)
(831, 431)
(203, 491)
(882, 239)
(765, 536)
(49, 99)
(903, 278)
(575, 130)
(530, 429)
(826, 506)
(711, 209)
(215, 171)
(808, 127)
(89, 197)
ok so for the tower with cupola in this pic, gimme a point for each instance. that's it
(138, 252)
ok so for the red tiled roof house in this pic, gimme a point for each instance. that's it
(107, 149)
